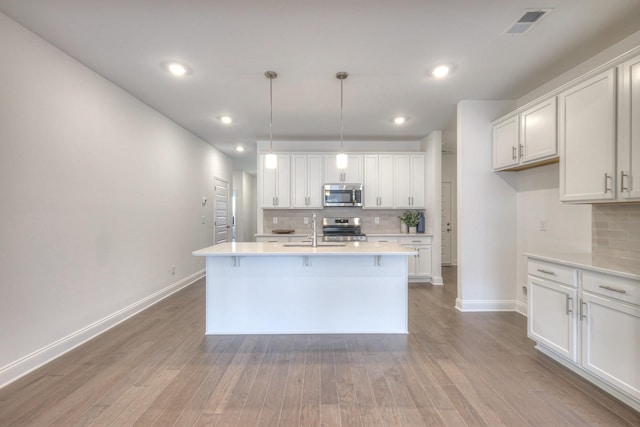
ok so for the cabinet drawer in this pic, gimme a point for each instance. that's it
(415, 240)
(627, 290)
(383, 239)
(555, 272)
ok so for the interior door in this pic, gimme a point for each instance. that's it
(221, 212)
(446, 223)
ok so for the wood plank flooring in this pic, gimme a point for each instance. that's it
(453, 369)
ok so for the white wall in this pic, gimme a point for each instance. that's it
(449, 173)
(486, 213)
(568, 226)
(100, 196)
(244, 185)
(432, 146)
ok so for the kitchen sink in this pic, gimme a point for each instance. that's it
(308, 245)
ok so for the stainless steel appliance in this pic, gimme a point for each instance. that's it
(342, 195)
(342, 230)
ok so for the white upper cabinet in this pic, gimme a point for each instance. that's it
(275, 184)
(505, 143)
(629, 130)
(378, 181)
(539, 132)
(306, 181)
(526, 139)
(352, 174)
(586, 137)
(409, 181)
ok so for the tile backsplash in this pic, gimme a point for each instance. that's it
(616, 231)
(388, 219)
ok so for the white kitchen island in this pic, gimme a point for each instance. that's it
(272, 288)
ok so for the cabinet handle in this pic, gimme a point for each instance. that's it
(521, 151)
(606, 182)
(622, 187)
(609, 288)
(569, 299)
(513, 152)
(416, 241)
(547, 272)
(582, 315)
(273, 200)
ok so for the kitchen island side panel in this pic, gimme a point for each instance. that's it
(306, 294)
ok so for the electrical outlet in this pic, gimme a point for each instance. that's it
(543, 225)
(173, 270)
(376, 220)
(275, 219)
(203, 220)
(306, 220)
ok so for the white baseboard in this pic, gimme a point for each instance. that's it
(522, 308)
(485, 305)
(437, 281)
(21, 367)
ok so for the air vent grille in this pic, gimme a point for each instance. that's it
(526, 21)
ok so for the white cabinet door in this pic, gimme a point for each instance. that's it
(423, 266)
(417, 181)
(586, 138)
(552, 317)
(378, 181)
(275, 183)
(385, 181)
(299, 183)
(352, 174)
(370, 183)
(409, 181)
(539, 132)
(315, 180)
(505, 143)
(306, 185)
(629, 130)
(610, 341)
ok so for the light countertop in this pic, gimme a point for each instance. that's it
(279, 249)
(368, 235)
(627, 268)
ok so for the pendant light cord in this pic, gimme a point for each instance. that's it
(271, 75)
(341, 76)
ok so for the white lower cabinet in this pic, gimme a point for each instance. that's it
(593, 327)
(552, 318)
(419, 264)
(611, 341)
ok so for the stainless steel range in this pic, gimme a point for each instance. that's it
(342, 230)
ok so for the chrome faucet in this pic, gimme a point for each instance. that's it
(314, 236)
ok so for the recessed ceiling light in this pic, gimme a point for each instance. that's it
(177, 69)
(240, 148)
(440, 71)
(226, 119)
(399, 120)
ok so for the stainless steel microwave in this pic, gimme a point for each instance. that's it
(343, 195)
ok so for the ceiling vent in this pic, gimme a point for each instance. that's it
(526, 21)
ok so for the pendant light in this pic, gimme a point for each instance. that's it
(271, 160)
(341, 159)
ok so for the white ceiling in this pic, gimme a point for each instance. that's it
(386, 46)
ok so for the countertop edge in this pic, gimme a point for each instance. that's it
(276, 249)
(585, 261)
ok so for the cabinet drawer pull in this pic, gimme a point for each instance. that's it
(622, 187)
(567, 305)
(547, 272)
(582, 315)
(606, 182)
(609, 288)
(513, 152)
(521, 151)
(416, 241)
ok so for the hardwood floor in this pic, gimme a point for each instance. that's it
(453, 369)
